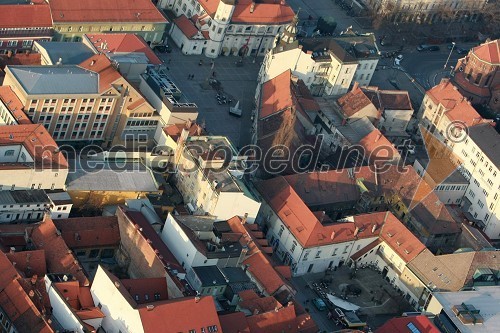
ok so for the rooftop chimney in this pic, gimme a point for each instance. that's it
(356, 231)
(244, 219)
(374, 228)
(197, 299)
(355, 86)
(92, 63)
(332, 236)
(252, 7)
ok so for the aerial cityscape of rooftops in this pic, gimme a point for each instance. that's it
(249, 166)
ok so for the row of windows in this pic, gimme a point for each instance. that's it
(13, 43)
(451, 187)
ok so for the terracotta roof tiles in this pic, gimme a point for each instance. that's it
(105, 11)
(146, 290)
(16, 304)
(60, 258)
(264, 12)
(82, 232)
(304, 225)
(14, 105)
(400, 239)
(180, 315)
(378, 149)
(489, 52)
(276, 95)
(123, 43)
(26, 16)
(186, 26)
(101, 65)
(457, 106)
(29, 263)
(37, 141)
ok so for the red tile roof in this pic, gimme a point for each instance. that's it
(210, 6)
(264, 12)
(260, 304)
(123, 43)
(60, 258)
(235, 322)
(26, 16)
(14, 105)
(489, 52)
(154, 289)
(400, 325)
(260, 265)
(377, 149)
(354, 101)
(304, 225)
(16, 304)
(281, 320)
(334, 186)
(175, 131)
(29, 263)
(105, 11)
(78, 297)
(276, 95)
(37, 141)
(456, 105)
(186, 26)
(101, 65)
(82, 232)
(180, 315)
(400, 239)
(21, 59)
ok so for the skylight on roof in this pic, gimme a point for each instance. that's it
(413, 328)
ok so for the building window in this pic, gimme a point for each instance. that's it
(318, 254)
(294, 244)
(94, 253)
(9, 152)
(281, 230)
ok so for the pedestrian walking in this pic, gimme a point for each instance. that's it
(192, 76)
(200, 63)
(189, 76)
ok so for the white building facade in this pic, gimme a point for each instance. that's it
(226, 27)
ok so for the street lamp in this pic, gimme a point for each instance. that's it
(449, 55)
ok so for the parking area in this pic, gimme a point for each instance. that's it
(375, 296)
(238, 84)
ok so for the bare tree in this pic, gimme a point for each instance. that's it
(382, 13)
(490, 18)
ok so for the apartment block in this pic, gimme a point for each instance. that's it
(327, 65)
(210, 186)
(90, 102)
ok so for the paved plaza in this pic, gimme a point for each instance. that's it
(238, 83)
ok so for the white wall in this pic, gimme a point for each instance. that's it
(23, 179)
(396, 120)
(231, 204)
(61, 310)
(120, 316)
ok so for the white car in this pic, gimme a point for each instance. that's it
(397, 60)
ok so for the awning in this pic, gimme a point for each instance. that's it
(225, 49)
(348, 306)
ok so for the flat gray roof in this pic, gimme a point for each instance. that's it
(488, 139)
(61, 80)
(132, 177)
(23, 197)
(485, 299)
(71, 53)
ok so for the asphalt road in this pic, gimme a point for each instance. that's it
(428, 67)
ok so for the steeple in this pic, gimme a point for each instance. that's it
(289, 35)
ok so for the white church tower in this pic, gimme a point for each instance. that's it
(218, 28)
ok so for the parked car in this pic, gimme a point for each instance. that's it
(426, 47)
(397, 60)
(162, 49)
(462, 50)
(319, 304)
